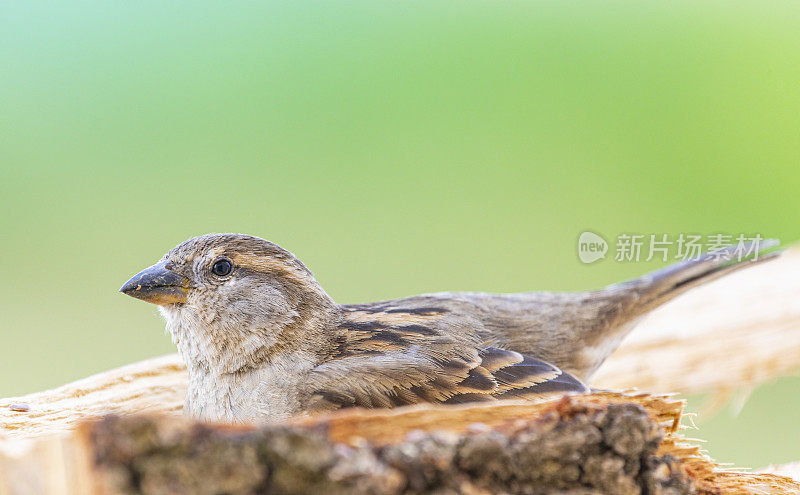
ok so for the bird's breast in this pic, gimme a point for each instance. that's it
(267, 393)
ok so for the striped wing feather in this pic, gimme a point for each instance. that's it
(496, 374)
(516, 376)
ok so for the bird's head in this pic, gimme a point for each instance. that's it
(231, 297)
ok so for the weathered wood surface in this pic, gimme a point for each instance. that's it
(790, 470)
(152, 386)
(391, 451)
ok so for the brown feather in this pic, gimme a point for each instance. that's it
(494, 359)
(424, 366)
(432, 367)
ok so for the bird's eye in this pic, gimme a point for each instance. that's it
(221, 267)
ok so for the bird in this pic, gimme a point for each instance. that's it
(263, 341)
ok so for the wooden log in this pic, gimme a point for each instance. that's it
(600, 443)
(152, 386)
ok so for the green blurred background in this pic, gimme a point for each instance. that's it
(395, 147)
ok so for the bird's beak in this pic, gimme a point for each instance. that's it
(158, 285)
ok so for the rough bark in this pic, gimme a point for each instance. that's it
(600, 443)
(573, 447)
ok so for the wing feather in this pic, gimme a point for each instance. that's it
(490, 374)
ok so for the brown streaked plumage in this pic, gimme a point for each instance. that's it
(262, 340)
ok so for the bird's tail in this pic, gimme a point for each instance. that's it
(577, 331)
(611, 313)
(660, 286)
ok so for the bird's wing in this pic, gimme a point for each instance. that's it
(413, 375)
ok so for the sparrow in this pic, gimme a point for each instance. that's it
(263, 341)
